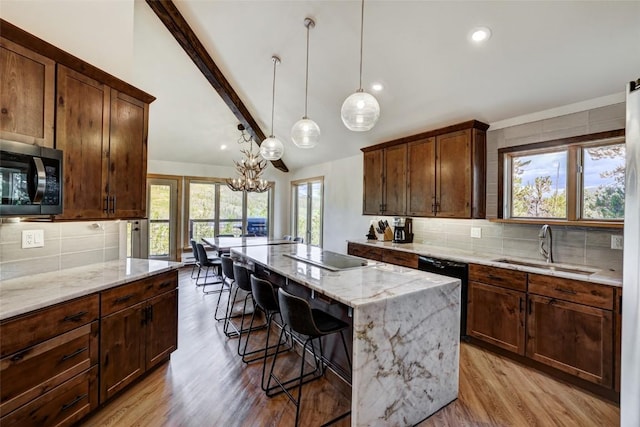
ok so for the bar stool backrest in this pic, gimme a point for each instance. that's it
(264, 295)
(241, 275)
(227, 267)
(203, 258)
(296, 313)
(195, 250)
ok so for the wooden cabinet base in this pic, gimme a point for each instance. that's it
(64, 405)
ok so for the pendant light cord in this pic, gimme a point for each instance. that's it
(361, 40)
(273, 92)
(306, 81)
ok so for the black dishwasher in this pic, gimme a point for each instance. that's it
(458, 270)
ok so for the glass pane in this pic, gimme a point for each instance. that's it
(129, 231)
(159, 211)
(258, 213)
(202, 210)
(301, 215)
(603, 182)
(159, 238)
(316, 213)
(230, 211)
(538, 185)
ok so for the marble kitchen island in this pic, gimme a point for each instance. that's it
(406, 328)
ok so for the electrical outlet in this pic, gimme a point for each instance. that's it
(617, 241)
(32, 239)
(476, 232)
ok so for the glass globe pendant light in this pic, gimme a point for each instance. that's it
(272, 148)
(305, 133)
(360, 111)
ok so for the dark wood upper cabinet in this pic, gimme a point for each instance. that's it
(421, 182)
(27, 89)
(436, 173)
(103, 134)
(372, 184)
(395, 178)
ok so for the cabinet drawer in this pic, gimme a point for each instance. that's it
(498, 276)
(25, 331)
(32, 372)
(400, 258)
(124, 296)
(62, 406)
(364, 251)
(586, 293)
(164, 282)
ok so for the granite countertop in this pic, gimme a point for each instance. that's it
(601, 276)
(24, 294)
(354, 287)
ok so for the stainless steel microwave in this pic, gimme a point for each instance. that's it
(31, 179)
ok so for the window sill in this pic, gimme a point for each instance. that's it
(560, 222)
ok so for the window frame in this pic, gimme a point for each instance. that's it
(294, 207)
(573, 146)
(220, 181)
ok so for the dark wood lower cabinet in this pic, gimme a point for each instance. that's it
(496, 315)
(64, 405)
(122, 356)
(162, 328)
(571, 337)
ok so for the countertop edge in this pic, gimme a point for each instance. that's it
(475, 258)
(81, 292)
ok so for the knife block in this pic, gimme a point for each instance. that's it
(388, 235)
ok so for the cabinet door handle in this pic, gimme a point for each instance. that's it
(165, 284)
(74, 354)
(520, 305)
(567, 291)
(106, 205)
(113, 204)
(123, 299)
(74, 317)
(150, 315)
(73, 402)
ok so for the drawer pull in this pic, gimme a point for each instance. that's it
(18, 357)
(73, 402)
(74, 317)
(74, 354)
(165, 284)
(123, 299)
(567, 291)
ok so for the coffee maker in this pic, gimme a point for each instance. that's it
(402, 230)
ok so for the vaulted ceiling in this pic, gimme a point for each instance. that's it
(541, 55)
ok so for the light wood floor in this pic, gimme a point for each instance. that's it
(206, 384)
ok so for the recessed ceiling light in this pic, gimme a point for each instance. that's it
(480, 34)
(377, 87)
(223, 147)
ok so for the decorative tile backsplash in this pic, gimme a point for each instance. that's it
(571, 245)
(66, 245)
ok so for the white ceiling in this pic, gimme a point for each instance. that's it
(541, 55)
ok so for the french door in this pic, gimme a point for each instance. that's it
(307, 210)
(162, 209)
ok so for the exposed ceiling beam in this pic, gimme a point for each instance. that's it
(187, 39)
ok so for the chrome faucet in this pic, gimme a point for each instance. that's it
(545, 238)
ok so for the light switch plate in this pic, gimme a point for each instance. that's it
(617, 241)
(476, 232)
(32, 239)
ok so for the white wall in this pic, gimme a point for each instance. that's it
(99, 32)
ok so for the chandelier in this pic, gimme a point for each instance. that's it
(249, 169)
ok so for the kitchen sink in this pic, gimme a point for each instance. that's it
(552, 267)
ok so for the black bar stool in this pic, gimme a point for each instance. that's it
(206, 261)
(242, 282)
(299, 317)
(228, 279)
(264, 296)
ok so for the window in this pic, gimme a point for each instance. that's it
(213, 209)
(307, 210)
(575, 179)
